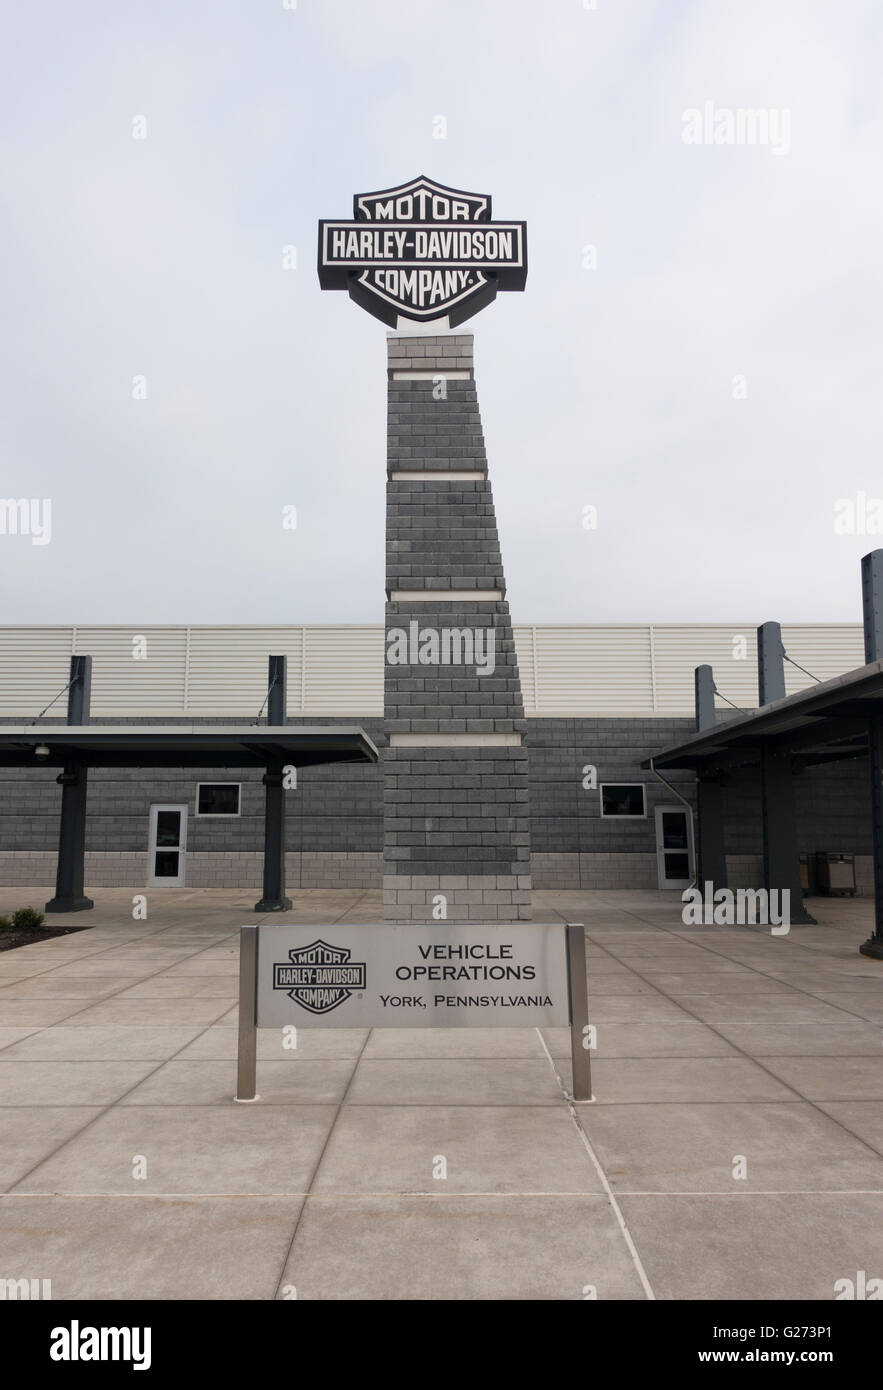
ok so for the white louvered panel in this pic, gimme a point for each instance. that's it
(344, 671)
(680, 649)
(228, 669)
(572, 671)
(524, 653)
(592, 671)
(825, 651)
(125, 685)
(34, 666)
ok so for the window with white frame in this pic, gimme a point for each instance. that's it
(217, 798)
(624, 800)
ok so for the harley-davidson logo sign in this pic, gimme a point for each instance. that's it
(422, 252)
(320, 976)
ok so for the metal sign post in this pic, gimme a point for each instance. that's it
(247, 1053)
(381, 975)
(578, 995)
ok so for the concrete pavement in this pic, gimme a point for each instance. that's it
(734, 1149)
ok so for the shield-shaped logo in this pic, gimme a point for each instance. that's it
(319, 976)
(422, 252)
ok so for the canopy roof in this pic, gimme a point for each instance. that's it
(825, 723)
(183, 745)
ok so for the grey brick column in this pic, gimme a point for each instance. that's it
(456, 816)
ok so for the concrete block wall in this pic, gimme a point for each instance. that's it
(333, 824)
(832, 802)
(243, 869)
(456, 823)
(573, 845)
(335, 809)
(335, 818)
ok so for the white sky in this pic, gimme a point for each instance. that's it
(610, 387)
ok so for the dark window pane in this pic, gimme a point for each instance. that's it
(219, 799)
(166, 864)
(674, 830)
(624, 800)
(677, 866)
(168, 827)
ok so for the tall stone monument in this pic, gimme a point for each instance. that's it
(456, 815)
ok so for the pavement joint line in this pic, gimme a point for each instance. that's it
(415, 1057)
(114, 994)
(400, 1194)
(610, 1023)
(815, 1103)
(419, 1105)
(331, 1128)
(37, 1028)
(617, 1210)
(153, 974)
(809, 960)
(403, 1057)
(116, 1101)
(446, 1105)
(608, 1190)
(113, 946)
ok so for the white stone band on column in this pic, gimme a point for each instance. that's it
(448, 475)
(454, 596)
(455, 740)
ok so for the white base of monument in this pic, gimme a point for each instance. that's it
(434, 326)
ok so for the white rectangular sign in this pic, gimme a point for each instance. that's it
(384, 976)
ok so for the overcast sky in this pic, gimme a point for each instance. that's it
(610, 387)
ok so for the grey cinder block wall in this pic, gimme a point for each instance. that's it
(334, 824)
(456, 829)
(572, 844)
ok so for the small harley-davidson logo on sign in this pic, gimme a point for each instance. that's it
(422, 252)
(319, 976)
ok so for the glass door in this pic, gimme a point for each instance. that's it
(674, 852)
(167, 846)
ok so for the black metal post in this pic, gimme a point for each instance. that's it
(781, 856)
(73, 780)
(712, 846)
(874, 944)
(770, 663)
(712, 867)
(872, 613)
(274, 899)
(872, 604)
(704, 685)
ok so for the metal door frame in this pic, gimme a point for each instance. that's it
(662, 882)
(152, 880)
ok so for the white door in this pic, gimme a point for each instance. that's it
(167, 846)
(674, 852)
